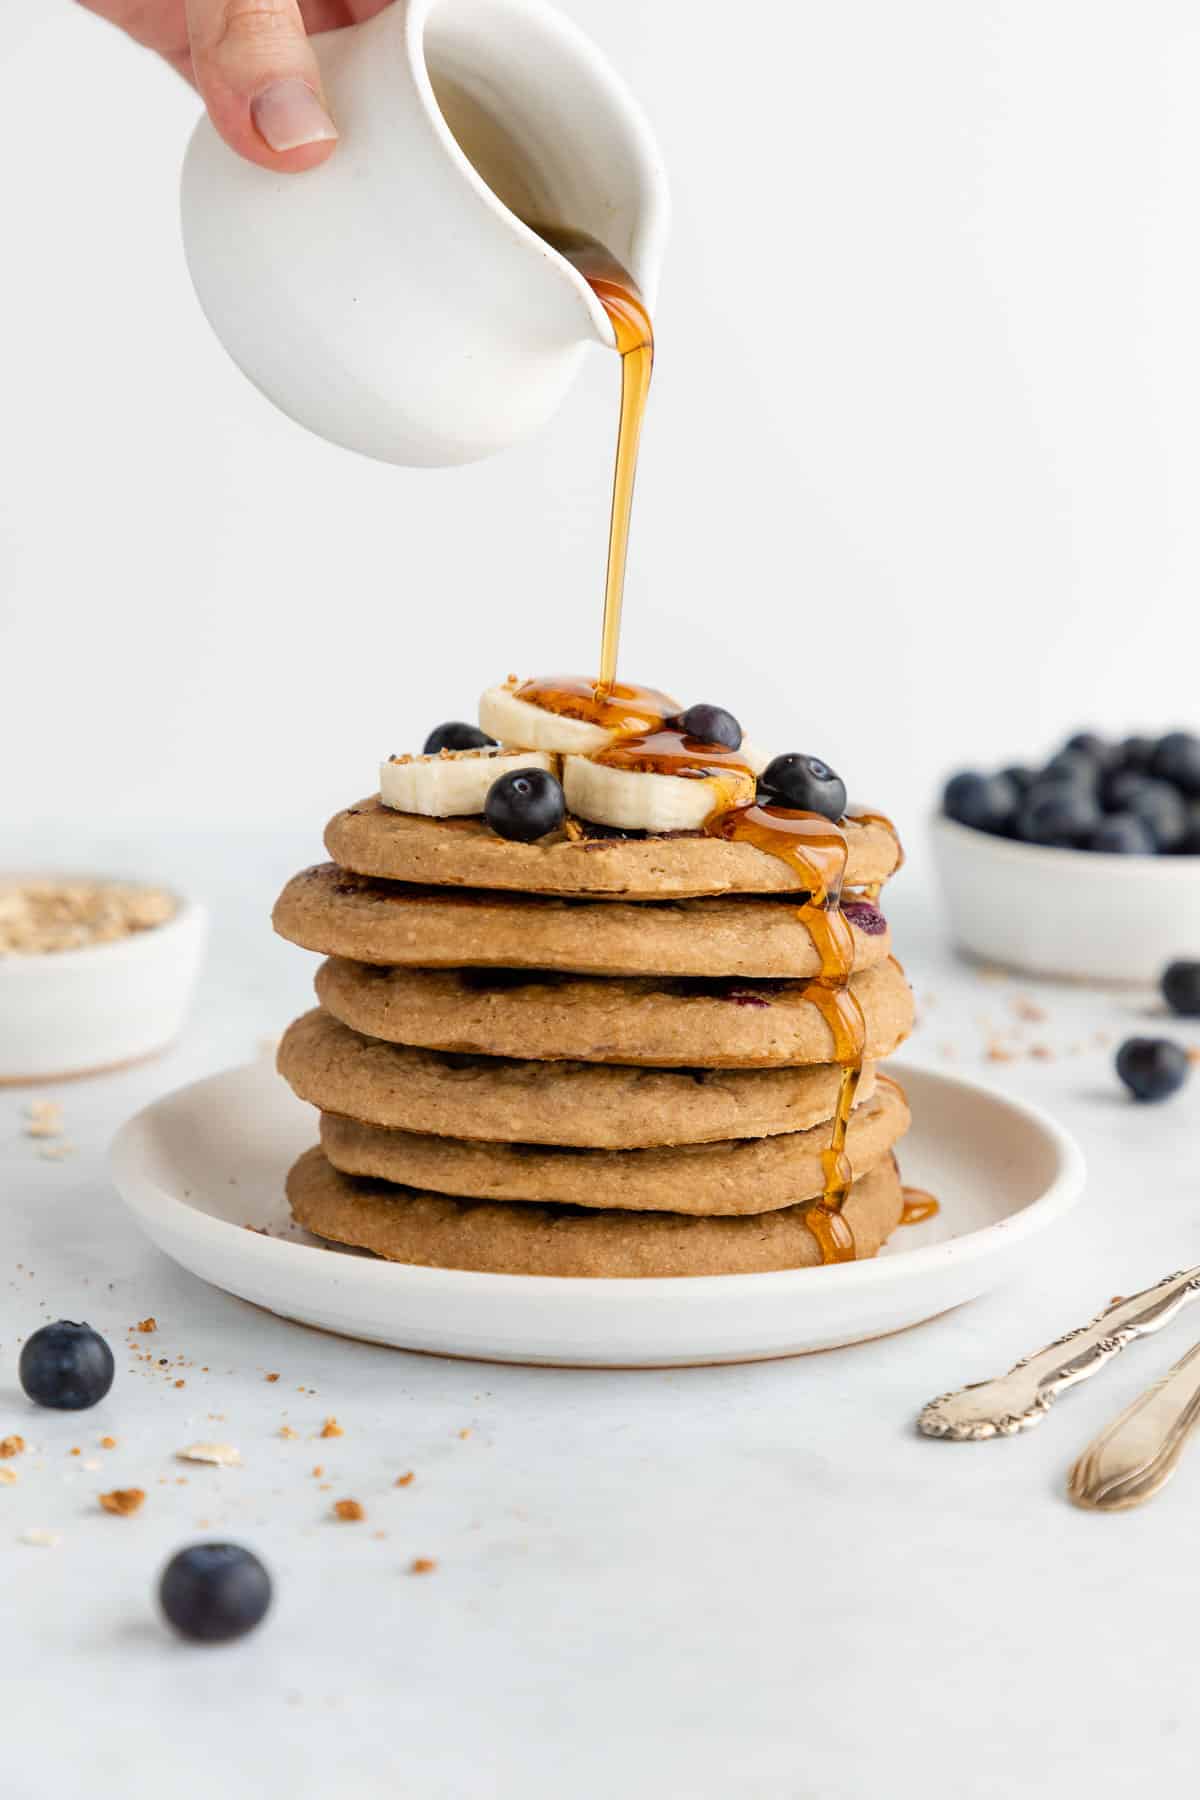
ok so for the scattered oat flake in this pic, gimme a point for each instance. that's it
(226, 1455)
(40, 1538)
(274, 1377)
(285, 1431)
(108, 1443)
(124, 1501)
(1000, 1053)
(465, 1432)
(75, 1452)
(404, 1480)
(319, 1470)
(350, 1510)
(331, 1428)
(150, 1324)
(180, 1384)
(7, 1477)
(11, 1446)
(44, 1119)
(422, 1565)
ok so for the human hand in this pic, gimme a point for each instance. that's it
(253, 65)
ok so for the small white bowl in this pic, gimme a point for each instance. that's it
(73, 1012)
(1076, 914)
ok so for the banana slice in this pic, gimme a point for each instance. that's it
(454, 782)
(515, 721)
(635, 800)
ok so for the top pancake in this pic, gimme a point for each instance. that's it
(370, 839)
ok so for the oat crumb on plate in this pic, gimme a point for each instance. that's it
(123, 1501)
(7, 1477)
(108, 1443)
(349, 1510)
(149, 1324)
(405, 1479)
(11, 1446)
(331, 1428)
(422, 1565)
(285, 1431)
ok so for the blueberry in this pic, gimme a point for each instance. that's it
(805, 784)
(1019, 777)
(1177, 759)
(711, 724)
(1122, 834)
(1189, 843)
(214, 1592)
(984, 802)
(525, 805)
(456, 734)
(1135, 754)
(866, 916)
(1160, 807)
(1070, 767)
(1061, 816)
(1181, 988)
(1152, 1068)
(1098, 750)
(66, 1366)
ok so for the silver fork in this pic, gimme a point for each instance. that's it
(1022, 1398)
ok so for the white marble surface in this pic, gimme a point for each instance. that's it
(754, 1581)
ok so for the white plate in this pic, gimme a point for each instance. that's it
(202, 1164)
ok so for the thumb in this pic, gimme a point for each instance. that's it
(259, 78)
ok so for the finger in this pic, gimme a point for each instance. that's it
(259, 78)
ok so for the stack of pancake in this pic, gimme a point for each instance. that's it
(593, 1055)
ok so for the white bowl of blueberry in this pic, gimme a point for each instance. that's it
(1087, 868)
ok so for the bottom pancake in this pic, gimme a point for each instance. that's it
(514, 1238)
(740, 1176)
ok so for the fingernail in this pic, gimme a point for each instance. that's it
(288, 114)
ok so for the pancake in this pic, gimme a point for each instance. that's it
(435, 1231)
(504, 1100)
(370, 839)
(373, 921)
(689, 1022)
(736, 1178)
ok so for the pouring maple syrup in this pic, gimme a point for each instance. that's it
(617, 292)
(813, 847)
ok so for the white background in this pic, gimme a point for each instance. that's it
(921, 476)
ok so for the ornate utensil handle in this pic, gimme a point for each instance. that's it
(1022, 1398)
(1136, 1455)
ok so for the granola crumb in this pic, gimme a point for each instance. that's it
(180, 1384)
(150, 1324)
(997, 1052)
(422, 1565)
(274, 1377)
(285, 1431)
(331, 1428)
(318, 1470)
(7, 1477)
(108, 1443)
(226, 1456)
(465, 1432)
(11, 1446)
(75, 1451)
(404, 1480)
(124, 1501)
(44, 1119)
(349, 1510)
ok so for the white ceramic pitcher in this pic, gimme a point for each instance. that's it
(392, 299)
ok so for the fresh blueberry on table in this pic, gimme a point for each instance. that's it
(985, 802)
(805, 784)
(67, 1366)
(456, 734)
(524, 805)
(1122, 834)
(212, 1593)
(711, 724)
(1181, 988)
(1152, 1068)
